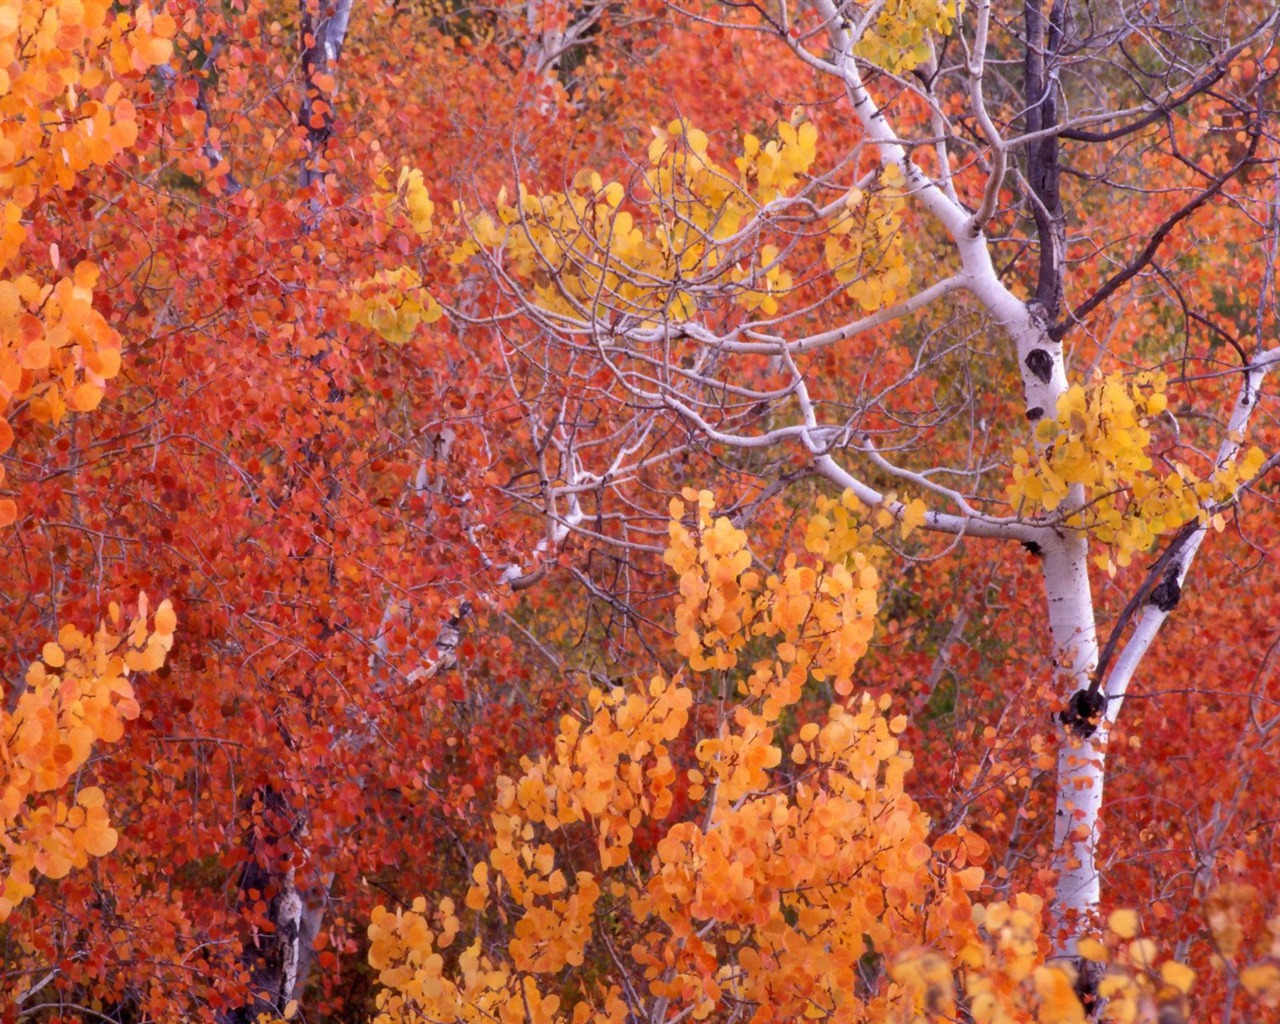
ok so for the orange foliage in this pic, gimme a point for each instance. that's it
(62, 111)
(77, 695)
(807, 891)
(699, 809)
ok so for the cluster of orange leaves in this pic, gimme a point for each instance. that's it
(78, 694)
(774, 892)
(62, 112)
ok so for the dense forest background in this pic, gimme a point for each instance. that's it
(556, 511)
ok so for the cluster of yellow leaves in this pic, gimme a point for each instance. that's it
(692, 239)
(768, 170)
(844, 526)
(56, 350)
(1005, 978)
(1008, 978)
(1140, 985)
(1002, 973)
(809, 891)
(78, 694)
(805, 892)
(898, 41)
(838, 530)
(62, 111)
(54, 331)
(588, 257)
(409, 198)
(1099, 440)
(777, 893)
(405, 951)
(763, 280)
(864, 247)
(393, 303)
(1137, 983)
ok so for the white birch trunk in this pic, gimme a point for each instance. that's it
(1068, 598)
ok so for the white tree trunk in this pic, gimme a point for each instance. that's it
(1069, 601)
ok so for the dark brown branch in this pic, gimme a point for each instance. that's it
(1043, 173)
(527, 580)
(1189, 314)
(1207, 80)
(1144, 258)
(1155, 575)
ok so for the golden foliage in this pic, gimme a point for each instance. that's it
(803, 887)
(689, 238)
(899, 39)
(1099, 440)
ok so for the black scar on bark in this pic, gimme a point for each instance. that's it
(1083, 712)
(1166, 594)
(1040, 363)
(1088, 977)
(1033, 547)
(1034, 413)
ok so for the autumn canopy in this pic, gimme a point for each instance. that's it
(635, 511)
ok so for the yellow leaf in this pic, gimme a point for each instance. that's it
(97, 841)
(156, 51)
(1262, 981)
(1143, 953)
(85, 397)
(913, 515)
(90, 797)
(1058, 1001)
(1124, 923)
(1180, 976)
(166, 620)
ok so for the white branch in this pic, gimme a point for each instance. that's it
(977, 62)
(770, 345)
(1152, 617)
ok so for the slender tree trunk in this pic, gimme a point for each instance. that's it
(279, 958)
(1069, 601)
